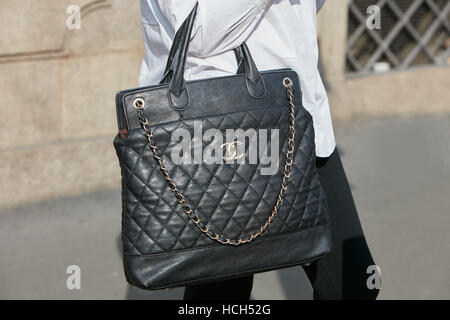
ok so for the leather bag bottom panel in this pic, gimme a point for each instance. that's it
(221, 262)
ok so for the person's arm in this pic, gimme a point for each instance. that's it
(220, 25)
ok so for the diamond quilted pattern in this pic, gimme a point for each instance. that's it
(232, 199)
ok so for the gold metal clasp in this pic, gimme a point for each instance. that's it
(139, 103)
(231, 151)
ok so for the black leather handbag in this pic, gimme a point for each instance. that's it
(187, 223)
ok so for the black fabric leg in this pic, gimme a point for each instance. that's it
(341, 274)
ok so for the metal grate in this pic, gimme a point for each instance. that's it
(413, 33)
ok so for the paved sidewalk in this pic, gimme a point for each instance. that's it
(399, 170)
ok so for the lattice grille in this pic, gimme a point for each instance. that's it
(413, 33)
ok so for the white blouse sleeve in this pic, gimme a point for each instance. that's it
(220, 25)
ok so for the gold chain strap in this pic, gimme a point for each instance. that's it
(139, 104)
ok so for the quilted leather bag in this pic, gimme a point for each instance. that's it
(187, 223)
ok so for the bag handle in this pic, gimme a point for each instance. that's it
(174, 72)
(189, 211)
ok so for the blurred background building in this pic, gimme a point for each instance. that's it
(57, 85)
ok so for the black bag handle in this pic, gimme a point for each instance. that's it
(174, 71)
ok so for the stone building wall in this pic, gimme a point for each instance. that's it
(57, 86)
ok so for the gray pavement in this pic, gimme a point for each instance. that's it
(399, 171)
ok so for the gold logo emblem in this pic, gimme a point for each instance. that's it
(231, 151)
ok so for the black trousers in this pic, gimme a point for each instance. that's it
(342, 274)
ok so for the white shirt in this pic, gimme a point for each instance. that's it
(279, 34)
